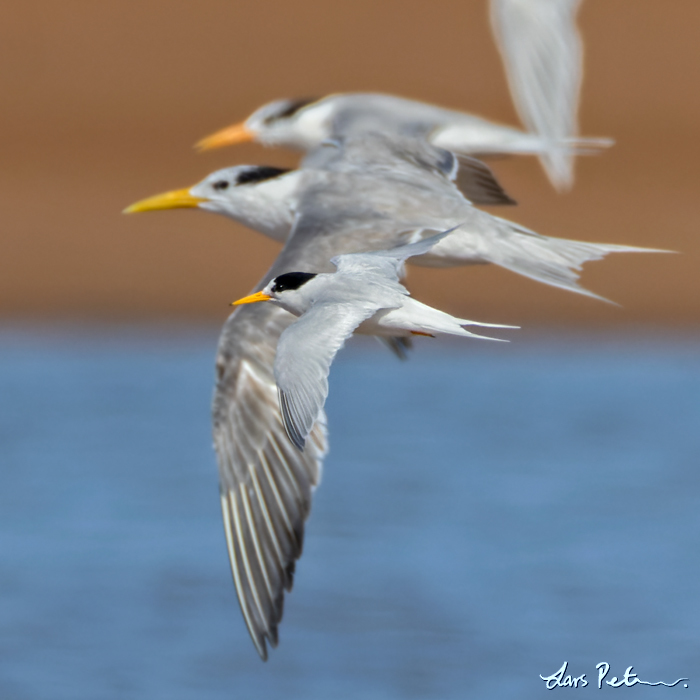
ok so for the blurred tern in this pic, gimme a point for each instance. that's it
(304, 124)
(363, 296)
(262, 198)
(396, 190)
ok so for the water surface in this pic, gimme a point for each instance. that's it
(486, 513)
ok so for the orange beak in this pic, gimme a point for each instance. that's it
(238, 133)
(252, 298)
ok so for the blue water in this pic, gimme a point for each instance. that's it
(486, 513)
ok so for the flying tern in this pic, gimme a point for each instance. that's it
(402, 189)
(266, 482)
(364, 296)
(343, 205)
(304, 124)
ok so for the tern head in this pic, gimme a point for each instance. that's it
(289, 290)
(258, 196)
(229, 186)
(297, 123)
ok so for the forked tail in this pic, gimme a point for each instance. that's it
(554, 261)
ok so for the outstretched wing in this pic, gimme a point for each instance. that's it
(381, 152)
(387, 264)
(543, 54)
(304, 355)
(266, 483)
(409, 160)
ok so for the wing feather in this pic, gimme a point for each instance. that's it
(266, 484)
(543, 54)
(304, 355)
(476, 181)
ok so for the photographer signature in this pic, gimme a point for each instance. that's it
(560, 679)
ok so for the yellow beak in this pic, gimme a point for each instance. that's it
(177, 199)
(252, 298)
(238, 133)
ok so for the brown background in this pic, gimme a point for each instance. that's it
(101, 102)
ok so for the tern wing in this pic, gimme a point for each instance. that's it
(543, 54)
(266, 483)
(386, 265)
(476, 181)
(381, 152)
(304, 355)
(411, 160)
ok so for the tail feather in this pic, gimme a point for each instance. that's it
(485, 337)
(489, 141)
(465, 322)
(588, 145)
(554, 261)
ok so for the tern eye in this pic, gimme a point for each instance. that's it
(220, 185)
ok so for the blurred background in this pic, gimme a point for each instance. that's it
(499, 510)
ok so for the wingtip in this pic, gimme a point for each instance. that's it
(261, 648)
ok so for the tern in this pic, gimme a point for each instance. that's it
(353, 195)
(266, 483)
(401, 189)
(304, 124)
(365, 296)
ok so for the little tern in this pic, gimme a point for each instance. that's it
(266, 482)
(303, 124)
(365, 296)
(355, 196)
